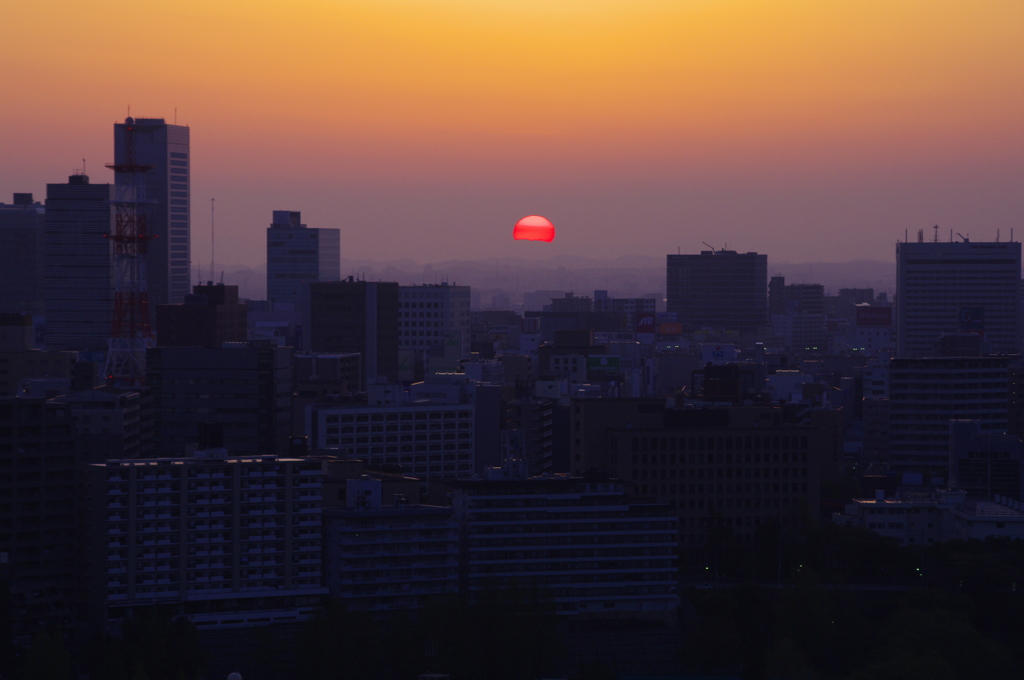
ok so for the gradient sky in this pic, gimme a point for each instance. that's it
(806, 129)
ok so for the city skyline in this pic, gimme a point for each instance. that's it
(425, 131)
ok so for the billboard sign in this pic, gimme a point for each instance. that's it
(874, 316)
(717, 354)
(603, 363)
(645, 322)
(972, 319)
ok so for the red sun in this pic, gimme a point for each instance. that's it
(534, 228)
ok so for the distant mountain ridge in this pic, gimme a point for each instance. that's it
(624, 276)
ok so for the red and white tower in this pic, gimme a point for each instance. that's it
(130, 334)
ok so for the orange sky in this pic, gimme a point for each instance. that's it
(807, 129)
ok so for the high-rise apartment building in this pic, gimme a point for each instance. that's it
(298, 255)
(22, 228)
(950, 287)
(227, 541)
(720, 289)
(165, 201)
(78, 274)
(356, 316)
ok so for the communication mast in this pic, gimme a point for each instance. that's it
(130, 333)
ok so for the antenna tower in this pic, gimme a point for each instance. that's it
(130, 333)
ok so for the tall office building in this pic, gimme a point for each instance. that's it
(351, 316)
(925, 394)
(297, 255)
(22, 228)
(797, 313)
(79, 275)
(951, 287)
(434, 319)
(719, 289)
(165, 187)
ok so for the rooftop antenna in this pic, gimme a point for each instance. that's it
(213, 234)
(83, 167)
(935, 238)
(997, 236)
(175, 115)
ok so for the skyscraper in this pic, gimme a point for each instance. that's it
(78, 271)
(165, 149)
(297, 255)
(954, 287)
(719, 289)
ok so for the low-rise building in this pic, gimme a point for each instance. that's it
(596, 550)
(920, 519)
(427, 438)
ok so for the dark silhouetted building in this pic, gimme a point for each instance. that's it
(798, 313)
(22, 240)
(228, 541)
(719, 289)
(434, 320)
(731, 469)
(298, 255)
(351, 316)
(246, 389)
(38, 512)
(963, 286)
(79, 274)
(532, 419)
(386, 554)
(597, 551)
(109, 422)
(926, 394)
(985, 464)
(209, 317)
